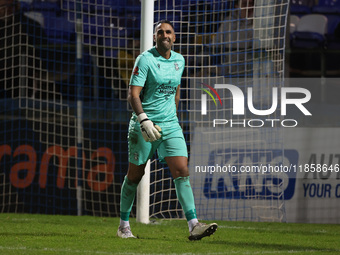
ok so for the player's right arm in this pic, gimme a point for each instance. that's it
(148, 128)
(134, 99)
(137, 82)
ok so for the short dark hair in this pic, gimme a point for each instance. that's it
(164, 21)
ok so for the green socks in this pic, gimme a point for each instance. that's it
(183, 191)
(185, 197)
(127, 197)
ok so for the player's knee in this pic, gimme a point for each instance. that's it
(135, 173)
(135, 177)
(182, 172)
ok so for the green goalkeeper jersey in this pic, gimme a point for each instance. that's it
(159, 78)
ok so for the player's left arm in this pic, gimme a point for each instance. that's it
(178, 96)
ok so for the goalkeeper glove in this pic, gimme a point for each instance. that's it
(149, 130)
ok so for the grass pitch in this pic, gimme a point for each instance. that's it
(63, 235)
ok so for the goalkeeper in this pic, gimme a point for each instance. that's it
(154, 94)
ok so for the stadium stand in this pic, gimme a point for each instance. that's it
(310, 32)
(113, 27)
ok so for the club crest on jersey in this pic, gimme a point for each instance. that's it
(135, 71)
(159, 66)
(176, 66)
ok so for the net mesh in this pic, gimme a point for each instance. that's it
(65, 115)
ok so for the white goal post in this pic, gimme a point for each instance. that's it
(143, 190)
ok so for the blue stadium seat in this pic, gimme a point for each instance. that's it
(39, 5)
(25, 6)
(58, 28)
(164, 5)
(37, 16)
(184, 4)
(124, 7)
(327, 6)
(301, 6)
(115, 38)
(333, 43)
(93, 28)
(70, 5)
(103, 6)
(133, 6)
(310, 32)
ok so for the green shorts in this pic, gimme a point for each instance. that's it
(171, 143)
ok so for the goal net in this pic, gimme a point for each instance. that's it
(239, 43)
(65, 69)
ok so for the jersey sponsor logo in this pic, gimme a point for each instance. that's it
(167, 89)
(247, 185)
(135, 71)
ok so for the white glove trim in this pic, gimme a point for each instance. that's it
(142, 117)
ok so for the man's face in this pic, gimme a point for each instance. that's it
(6, 8)
(164, 36)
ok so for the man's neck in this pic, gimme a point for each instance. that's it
(166, 54)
